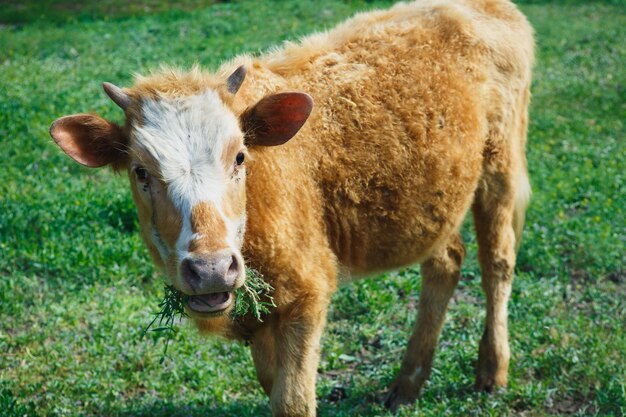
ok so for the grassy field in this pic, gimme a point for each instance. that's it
(76, 285)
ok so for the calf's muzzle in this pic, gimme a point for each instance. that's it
(211, 273)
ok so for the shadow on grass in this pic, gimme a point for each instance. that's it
(163, 408)
(370, 403)
(358, 402)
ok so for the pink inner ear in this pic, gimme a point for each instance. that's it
(89, 140)
(276, 118)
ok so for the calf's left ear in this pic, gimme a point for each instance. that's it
(275, 119)
(90, 140)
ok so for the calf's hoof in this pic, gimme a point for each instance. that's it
(402, 392)
(489, 382)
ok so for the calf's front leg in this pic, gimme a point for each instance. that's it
(286, 356)
(263, 351)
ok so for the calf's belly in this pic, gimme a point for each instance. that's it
(395, 225)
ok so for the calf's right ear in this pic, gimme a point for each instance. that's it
(90, 140)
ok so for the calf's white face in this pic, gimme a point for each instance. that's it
(186, 160)
(187, 170)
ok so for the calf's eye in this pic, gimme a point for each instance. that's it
(142, 174)
(240, 158)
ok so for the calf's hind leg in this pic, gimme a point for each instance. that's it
(440, 276)
(494, 222)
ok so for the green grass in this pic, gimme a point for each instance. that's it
(77, 288)
(67, 11)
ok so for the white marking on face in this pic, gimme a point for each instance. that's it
(186, 136)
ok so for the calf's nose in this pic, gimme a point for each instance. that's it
(212, 273)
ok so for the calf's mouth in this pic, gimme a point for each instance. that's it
(211, 303)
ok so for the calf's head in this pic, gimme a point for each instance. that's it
(186, 156)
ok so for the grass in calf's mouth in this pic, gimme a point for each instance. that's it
(253, 297)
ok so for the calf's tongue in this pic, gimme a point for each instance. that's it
(207, 303)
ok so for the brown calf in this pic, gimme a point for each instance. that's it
(420, 114)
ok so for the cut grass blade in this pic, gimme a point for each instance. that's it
(171, 307)
(253, 297)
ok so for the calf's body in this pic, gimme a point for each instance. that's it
(420, 114)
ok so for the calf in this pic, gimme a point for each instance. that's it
(420, 114)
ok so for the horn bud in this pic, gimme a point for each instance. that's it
(116, 94)
(236, 79)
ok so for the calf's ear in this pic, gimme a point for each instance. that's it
(90, 140)
(276, 118)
